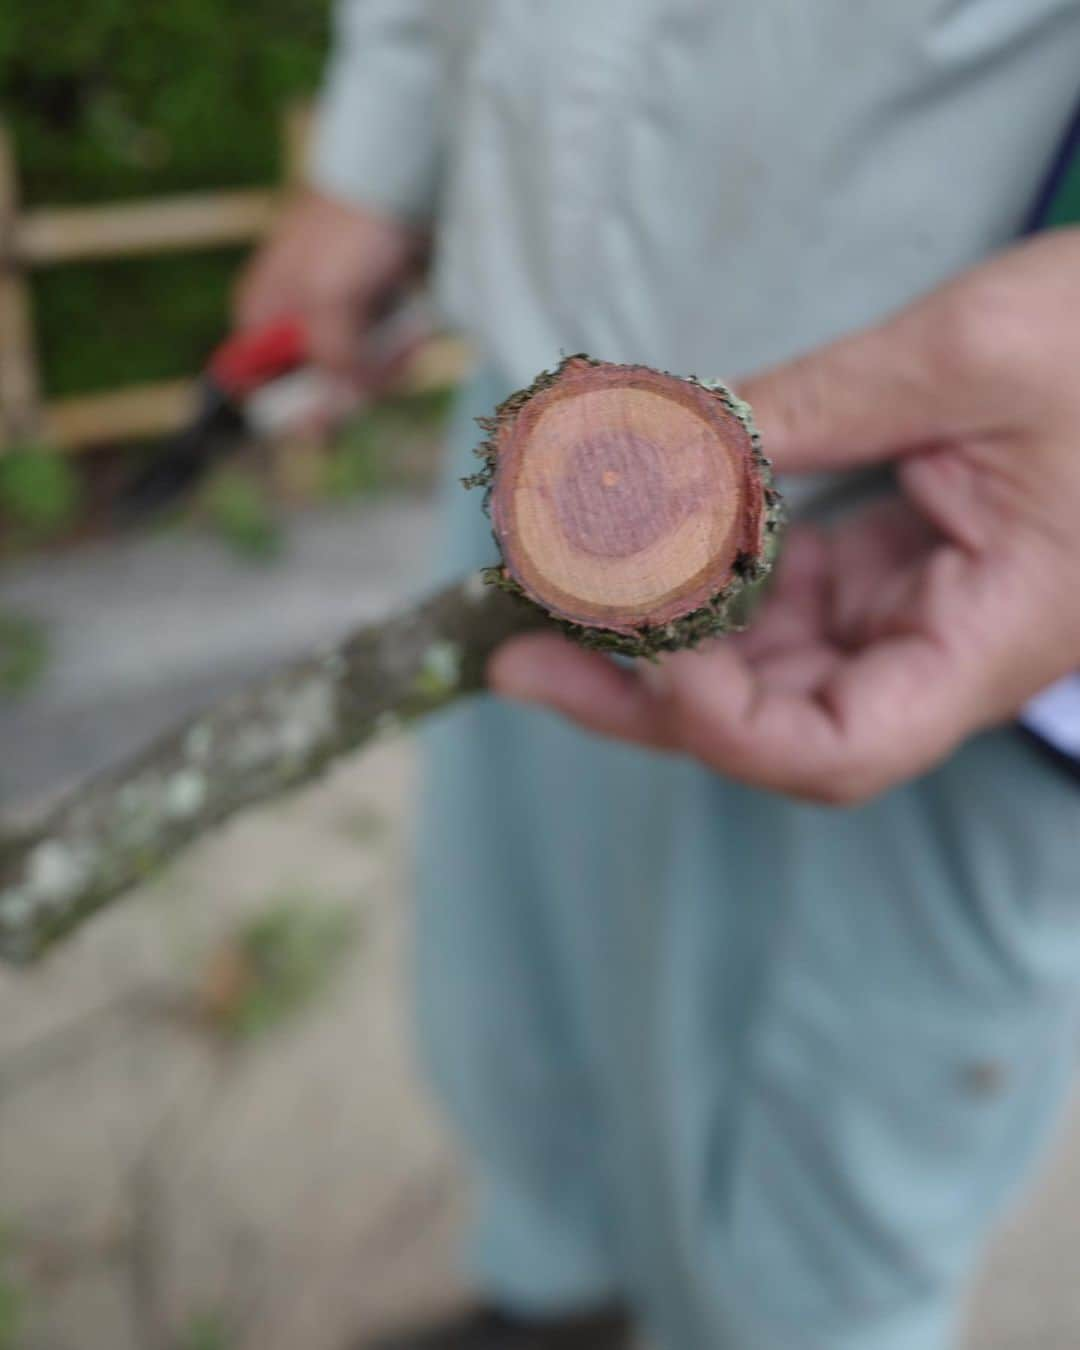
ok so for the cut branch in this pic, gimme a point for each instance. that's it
(278, 733)
(632, 508)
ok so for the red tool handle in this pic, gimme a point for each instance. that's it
(249, 359)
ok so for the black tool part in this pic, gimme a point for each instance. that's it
(184, 460)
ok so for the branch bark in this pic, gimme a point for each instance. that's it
(634, 511)
(278, 733)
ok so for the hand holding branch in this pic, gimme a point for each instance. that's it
(917, 622)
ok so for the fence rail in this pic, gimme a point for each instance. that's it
(75, 234)
(152, 409)
(48, 236)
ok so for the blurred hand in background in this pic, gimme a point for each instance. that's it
(337, 267)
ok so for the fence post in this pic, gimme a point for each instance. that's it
(20, 407)
(296, 128)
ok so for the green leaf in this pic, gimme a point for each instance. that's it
(204, 1331)
(280, 961)
(110, 100)
(39, 491)
(24, 653)
(238, 510)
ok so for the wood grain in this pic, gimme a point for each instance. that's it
(624, 497)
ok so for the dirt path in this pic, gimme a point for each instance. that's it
(212, 1133)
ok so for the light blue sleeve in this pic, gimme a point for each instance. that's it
(377, 135)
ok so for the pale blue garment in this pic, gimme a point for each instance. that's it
(767, 1070)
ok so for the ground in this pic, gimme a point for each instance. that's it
(213, 1134)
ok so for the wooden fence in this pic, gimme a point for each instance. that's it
(44, 236)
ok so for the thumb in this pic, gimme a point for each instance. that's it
(871, 396)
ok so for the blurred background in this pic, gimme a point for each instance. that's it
(212, 1134)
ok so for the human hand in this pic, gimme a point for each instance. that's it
(919, 621)
(336, 266)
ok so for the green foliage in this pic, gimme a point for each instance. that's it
(1065, 207)
(430, 410)
(164, 314)
(39, 493)
(204, 1331)
(238, 510)
(285, 958)
(24, 654)
(375, 450)
(356, 467)
(111, 100)
(12, 1300)
(11, 1307)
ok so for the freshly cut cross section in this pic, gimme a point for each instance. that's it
(634, 506)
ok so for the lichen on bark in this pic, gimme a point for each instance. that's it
(271, 736)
